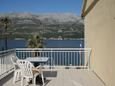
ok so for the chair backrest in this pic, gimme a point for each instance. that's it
(26, 68)
(14, 58)
(14, 61)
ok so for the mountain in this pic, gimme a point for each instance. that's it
(49, 25)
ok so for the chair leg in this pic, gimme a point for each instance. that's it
(22, 81)
(34, 80)
(17, 75)
(27, 81)
(14, 78)
(42, 78)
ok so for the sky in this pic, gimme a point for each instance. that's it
(41, 6)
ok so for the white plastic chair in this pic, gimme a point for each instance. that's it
(17, 70)
(27, 73)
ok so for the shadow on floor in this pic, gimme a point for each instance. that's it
(5, 79)
(46, 82)
(50, 73)
(47, 75)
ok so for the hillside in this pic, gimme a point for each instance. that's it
(49, 25)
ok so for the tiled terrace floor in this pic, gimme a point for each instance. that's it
(63, 77)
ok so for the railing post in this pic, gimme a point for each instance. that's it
(51, 58)
(89, 57)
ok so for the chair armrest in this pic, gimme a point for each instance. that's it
(38, 67)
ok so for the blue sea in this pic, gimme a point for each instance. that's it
(52, 44)
(77, 43)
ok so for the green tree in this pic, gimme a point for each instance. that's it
(5, 24)
(36, 41)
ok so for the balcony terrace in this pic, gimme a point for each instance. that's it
(65, 67)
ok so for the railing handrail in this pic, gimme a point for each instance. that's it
(53, 48)
(7, 50)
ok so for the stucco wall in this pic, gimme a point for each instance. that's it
(100, 36)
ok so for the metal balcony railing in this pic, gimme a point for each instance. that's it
(6, 65)
(66, 57)
(78, 58)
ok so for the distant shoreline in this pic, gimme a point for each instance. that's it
(19, 39)
(65, 39)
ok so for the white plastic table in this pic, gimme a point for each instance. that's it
(37, 59)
